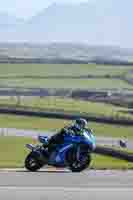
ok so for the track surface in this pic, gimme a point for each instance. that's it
(66, 185)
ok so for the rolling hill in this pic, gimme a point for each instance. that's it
(105, 23)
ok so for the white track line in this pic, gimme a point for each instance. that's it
(66, 189)
(52, 169)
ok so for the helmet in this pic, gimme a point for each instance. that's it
(80, 124)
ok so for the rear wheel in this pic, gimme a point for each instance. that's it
(32, 163)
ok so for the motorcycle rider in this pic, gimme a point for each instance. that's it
(76, 129)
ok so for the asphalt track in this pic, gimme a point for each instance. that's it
(47, 185)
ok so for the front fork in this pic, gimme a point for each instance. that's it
(78, 153)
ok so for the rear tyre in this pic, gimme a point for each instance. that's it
(32, 163)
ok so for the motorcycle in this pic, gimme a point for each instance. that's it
(74, 154)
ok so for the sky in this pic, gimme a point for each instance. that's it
(27, 8)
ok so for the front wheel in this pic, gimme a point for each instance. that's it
(78, 166)
(32, 163)
(80, 162)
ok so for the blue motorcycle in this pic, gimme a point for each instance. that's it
(74, 154)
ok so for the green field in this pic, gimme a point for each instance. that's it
(60, 69)
(130, 75)
(63, 104)
(67, 83)
(13, 153)
(70, 70)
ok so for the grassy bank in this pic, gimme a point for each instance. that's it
(68, 105)
(13, 153)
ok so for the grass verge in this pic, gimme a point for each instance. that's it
(13, 153)
(104, 162)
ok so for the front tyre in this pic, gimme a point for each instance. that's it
(78, 166)
(32, 163)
